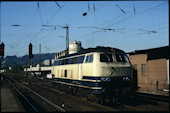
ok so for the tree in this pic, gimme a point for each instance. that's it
(17, 69)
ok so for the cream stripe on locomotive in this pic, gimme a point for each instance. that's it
(78, 85)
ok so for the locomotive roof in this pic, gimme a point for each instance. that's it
(97, 49)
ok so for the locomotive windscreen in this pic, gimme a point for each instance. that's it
(113, 57)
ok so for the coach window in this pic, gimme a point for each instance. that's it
(66, 61)
(74, 61)
(80, 59)
(59, 62)
(56, 63)
(63, 62)
(89, 59)
(70, 61)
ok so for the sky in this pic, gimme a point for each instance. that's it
(127, 25)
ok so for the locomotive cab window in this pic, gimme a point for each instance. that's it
(121, 58)
(106, 58)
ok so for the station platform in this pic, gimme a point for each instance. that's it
(8, 101)
(161, 93)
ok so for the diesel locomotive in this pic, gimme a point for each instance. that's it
(101, 74)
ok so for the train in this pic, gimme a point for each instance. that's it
(100, 74)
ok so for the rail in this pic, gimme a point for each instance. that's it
(45, 99)
(162, 98)
(22, 95)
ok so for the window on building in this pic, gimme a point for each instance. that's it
(135, 66)
(143, 66)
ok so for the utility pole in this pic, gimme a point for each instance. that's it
(0, 30)
(26, 64)
(0, 21)
(67, 35)
(67, 39)
(39, 57)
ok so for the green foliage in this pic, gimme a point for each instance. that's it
(15, 69)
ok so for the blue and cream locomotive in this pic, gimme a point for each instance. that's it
(100, 74)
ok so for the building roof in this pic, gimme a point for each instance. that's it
(154, 53)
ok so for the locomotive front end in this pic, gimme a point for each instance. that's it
(116, 69)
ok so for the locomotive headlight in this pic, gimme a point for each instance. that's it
(105, 79)
(126, 79)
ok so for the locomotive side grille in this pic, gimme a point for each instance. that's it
(117, 71)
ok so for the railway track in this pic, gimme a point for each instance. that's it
(73, 103)
(119, 106)
(153, 97)
(17, 86)
(146, 102)
(63, 100)
(70, 102)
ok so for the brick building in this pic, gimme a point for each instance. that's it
(151, 69)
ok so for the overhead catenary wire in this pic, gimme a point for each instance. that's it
(55, 14)
(40, 15)
(80, 16)
(57, 4)
(131, 36)
(125, 19)
(121, 9)
(41, 22)
(25, 45)
(107, 26)
(99, 30)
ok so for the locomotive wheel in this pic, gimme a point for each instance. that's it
(90, 96)
(98, 99)
(101, 100)
(74, 91)
(57, 86)
(114, 100)
(81, 92)
(107, 100)
(78, 93)
(53, 84)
